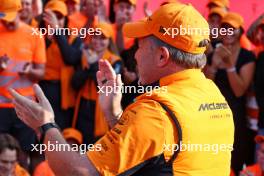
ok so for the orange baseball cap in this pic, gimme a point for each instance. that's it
(168, 2)
(133, 2)
(234, 19)
(259, 139)
(72, 133)
(170, 18)
(217, 10)
(9, 9)
(57, 6)
(106, 29)
(219, 3)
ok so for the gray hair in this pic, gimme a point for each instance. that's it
(182, 58)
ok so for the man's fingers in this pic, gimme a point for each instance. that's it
(106, 68)
(41, 96)
(100, 78)
(119, 82)
(25, 102)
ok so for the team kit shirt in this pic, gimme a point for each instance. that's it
(146, 132)
(21, 47)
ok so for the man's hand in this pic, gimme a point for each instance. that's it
(34, 114)
(110, 98)
(50, 18)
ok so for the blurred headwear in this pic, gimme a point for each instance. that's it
(169, 17)
(57, 6)
(133, 2)
(106, 29)
(72, 133)
(219, 3)
(259, 139)
(9, 9)
(168, 2)
(217, 10)
(75, 1)
(233, 19)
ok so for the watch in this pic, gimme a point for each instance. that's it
(44, 128)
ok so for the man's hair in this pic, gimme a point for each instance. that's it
(181, 58)
(8, 142)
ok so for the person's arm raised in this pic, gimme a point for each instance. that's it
(36, 114)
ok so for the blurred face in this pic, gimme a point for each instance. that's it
(8, 160)
(88, 7)
(260, 35)
(26, 11)
(260, 155)
(231, 39)
(71, 5)
(145, 57)
(214, 21)
(11, 26)
(99, 43)
(124, 12)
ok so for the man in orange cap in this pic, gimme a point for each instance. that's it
(214, 19)
(148, 137)
(124, 10)
(258, 168)
(26, 13)
(22, 63)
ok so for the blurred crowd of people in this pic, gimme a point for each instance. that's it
(65, 67)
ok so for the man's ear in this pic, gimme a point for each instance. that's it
(164, 57)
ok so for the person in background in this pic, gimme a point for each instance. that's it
(21, 65)
(256, 34)
(37, 7)
(88, 116)
(232, 69)
(72, 6)
(72, 136)
(259, 87)
(63, 53)
(215, 17)
(9, 151)
(258, 168)
(26, 13)
(124, 10)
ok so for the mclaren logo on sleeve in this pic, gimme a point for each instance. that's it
(213, 106)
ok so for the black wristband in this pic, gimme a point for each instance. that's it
(44, 128)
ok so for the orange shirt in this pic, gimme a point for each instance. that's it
(254, 169)
(19, 171)
(43, 169)
(128, 42)
(54, 62)
(77, 20)
(21, 46)
(245, 43)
